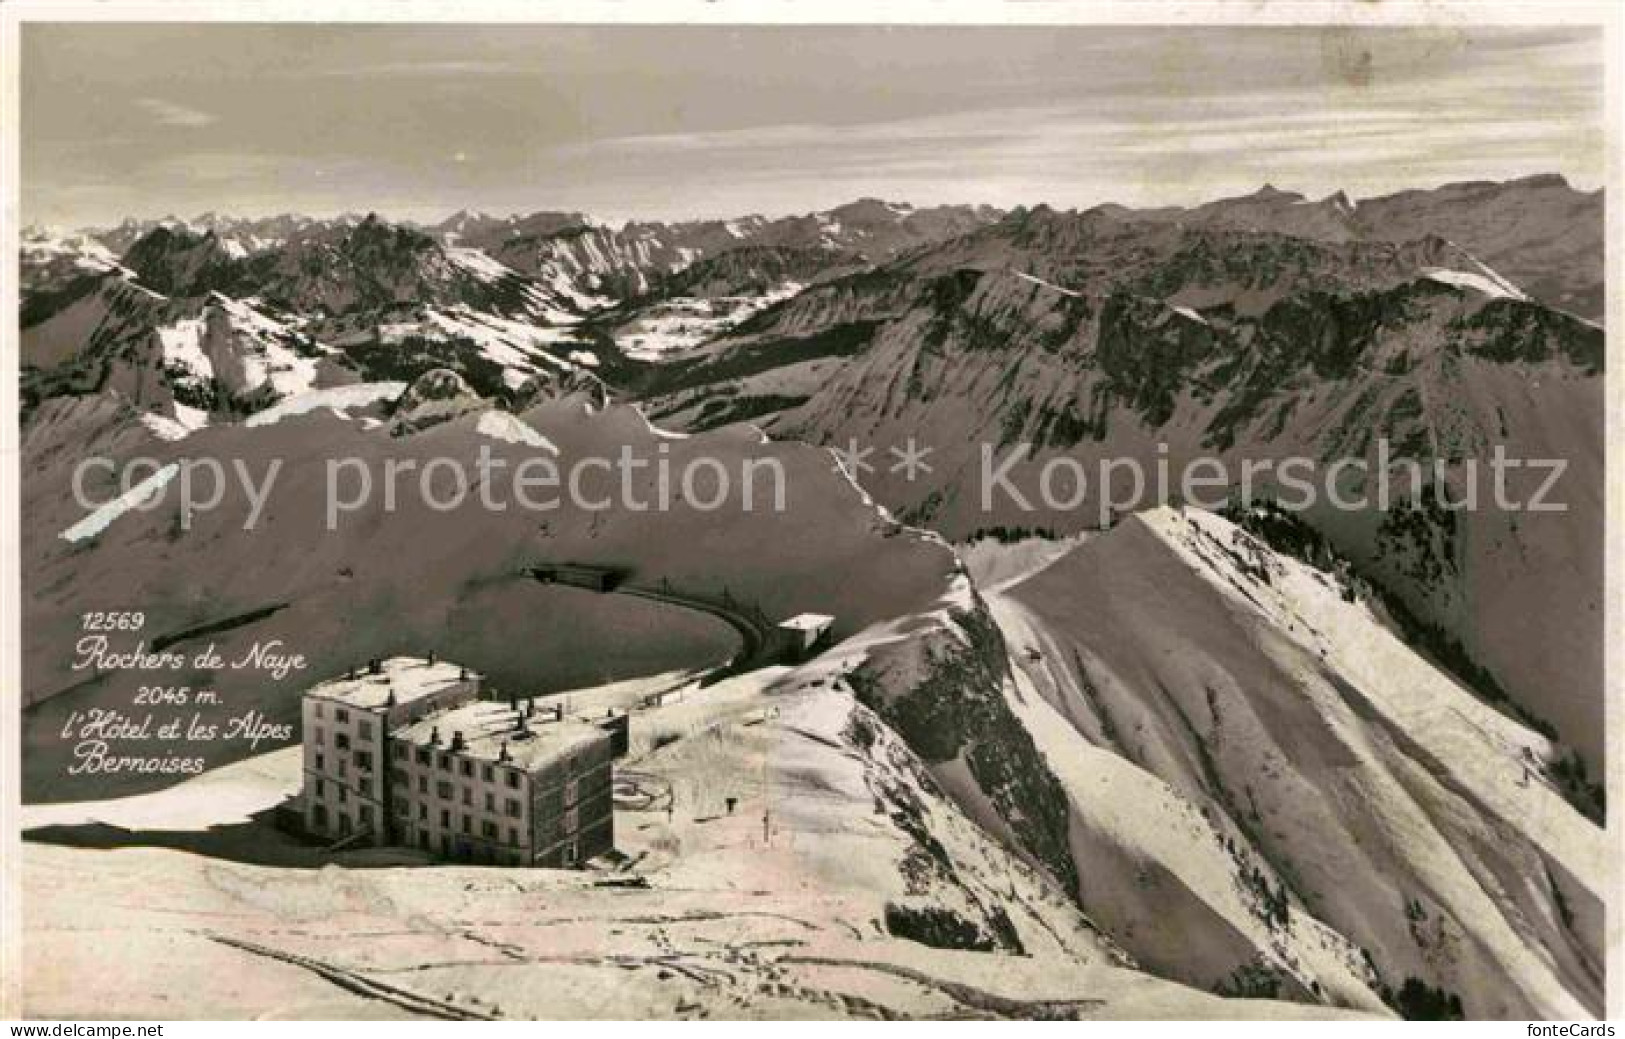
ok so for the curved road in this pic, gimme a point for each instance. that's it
(759, 638)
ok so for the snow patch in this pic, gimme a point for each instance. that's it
(337, 398)
(682, 323)
(500, 425)
(107, 512)
(519, 348)
(1488, 282)
(187, 421)
(182, 345)
(478, 264)
(654, 430)
(262, 348)
(1024, 276)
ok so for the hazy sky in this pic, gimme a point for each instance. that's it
(706, 121)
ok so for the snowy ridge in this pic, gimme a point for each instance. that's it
(1482, 280)
(1024, 276)
(1488, 757)
(657, 431)
(1487, 283)
(1353, 814)
(338, 399)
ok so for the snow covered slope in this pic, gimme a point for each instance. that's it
(1083, 339)
(841, 884)
(397, 572)
(1332, 804)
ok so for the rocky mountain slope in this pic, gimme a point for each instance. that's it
(1539, 231)
(185, 321)
(1352, 813)
(1087, 337)
(1263, 327)
(495, 299)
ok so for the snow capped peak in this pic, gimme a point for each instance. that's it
(42, 245)
(1269, 192)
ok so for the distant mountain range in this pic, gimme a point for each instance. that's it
(1538, 230)
(1266, 324)
(1337, 757)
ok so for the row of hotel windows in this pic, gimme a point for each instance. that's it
(403, 810)
(464, 765)
(363, 727)
(342, 715)
(474, 851)
(511, 806)
(341, 740)
(342, 818)
(343, 796)
(424, 755)
(363, 761)
(488, 829)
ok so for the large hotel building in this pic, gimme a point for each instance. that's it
(407, 753)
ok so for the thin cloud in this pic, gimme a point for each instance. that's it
(169, 114)
(651, 121)
(424, 69)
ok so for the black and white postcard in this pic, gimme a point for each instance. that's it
(958, 511)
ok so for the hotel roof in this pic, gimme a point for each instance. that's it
(408, 678)
(489, 727)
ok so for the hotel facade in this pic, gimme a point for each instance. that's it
(407, 754)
